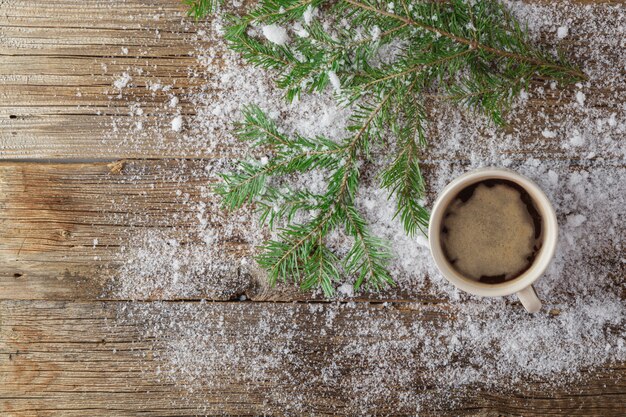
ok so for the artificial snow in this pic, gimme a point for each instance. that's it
(576, 139)
(177, 123)
(334, 80)
(275, 34)
(346, 289)
(308, 15)
(375, 33)
(465, 342)
(122, 81)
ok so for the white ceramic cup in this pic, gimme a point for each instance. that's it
(522, 285)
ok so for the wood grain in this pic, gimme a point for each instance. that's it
(75, 359)
(52, 214)
(63, 224)
(59, 60)
(63, 352)
(58, 68)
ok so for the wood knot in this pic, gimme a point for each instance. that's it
(116, 167)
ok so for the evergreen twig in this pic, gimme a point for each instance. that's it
(472, 53)
(202, 8)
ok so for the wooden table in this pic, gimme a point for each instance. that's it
(59, 354)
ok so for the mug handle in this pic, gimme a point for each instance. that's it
(529, 299)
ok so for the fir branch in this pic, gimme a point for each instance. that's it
(472, 53)
(291, 254)
(203, 8)
(299, 248)
(321, 271)
(472, 43)
(290, 155)
(281, 206)
(403, 177)
(367, 259)
(256, 52)
(259, 129)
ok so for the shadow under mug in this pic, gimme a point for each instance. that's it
(521, 285)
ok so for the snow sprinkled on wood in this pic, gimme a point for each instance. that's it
(572, 145)
(177, 123)
(122, 81)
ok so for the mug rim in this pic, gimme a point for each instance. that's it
(541, 261)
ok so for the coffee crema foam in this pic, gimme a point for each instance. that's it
(491, 231)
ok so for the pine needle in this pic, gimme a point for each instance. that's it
(203, 8)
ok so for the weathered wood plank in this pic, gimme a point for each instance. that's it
(78, 358)
(75, 359)
(59, 62)
(63, 226)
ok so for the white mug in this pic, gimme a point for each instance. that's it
(522, 285)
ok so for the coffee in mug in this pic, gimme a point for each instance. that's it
(493, 232)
